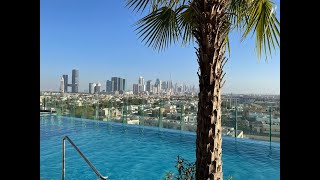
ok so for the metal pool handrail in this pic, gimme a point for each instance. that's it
(81, 154)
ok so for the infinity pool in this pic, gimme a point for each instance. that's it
(130, 152)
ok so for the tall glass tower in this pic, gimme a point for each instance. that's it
(65, 80)
(75, 81)
(109, 86)
(148, 88)
(124, 84)
(114, 81)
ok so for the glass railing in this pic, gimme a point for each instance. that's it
(241, 119)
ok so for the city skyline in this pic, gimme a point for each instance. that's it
(123, 86)
(76, 35)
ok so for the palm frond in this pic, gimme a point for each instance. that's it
(263, 22)
(238, 13)
(140, 5)
(159, 28)
(227, 41)
(186, 23)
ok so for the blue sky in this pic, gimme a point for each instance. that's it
(98, 38)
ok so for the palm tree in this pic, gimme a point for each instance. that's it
(208, 22)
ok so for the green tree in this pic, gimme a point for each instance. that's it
(208, 22)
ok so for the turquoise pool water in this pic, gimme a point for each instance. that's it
(132, 152)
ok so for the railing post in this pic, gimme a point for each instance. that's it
(63, 158)
(182, 117)
(96, 115)
(109, 110)
(142, 113)
(270, 122)
(160, 114)
(62, 107)
(44, 103)
(236, 124)
(122, 113)
(74, 107)
(125, 113)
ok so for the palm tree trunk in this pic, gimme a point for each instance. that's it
(211, 32)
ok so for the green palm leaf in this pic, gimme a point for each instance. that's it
(186, 23)
(238, 13)
(159, 28)
(263, 22)
(140, 5)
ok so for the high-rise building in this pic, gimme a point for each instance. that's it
(61, 85)
(141, 84)
(169, 85)
(135, 88)
(123, 85)
(151, 88)
(157, 82)
(184, 88)
(109, 86)
(141, 80)
(65, 80)
(120, 84)
(140, 88)
(75, 81)
(148, 87)
(97, 88)
(91, 87)
(157, 86)
(114, 84)
(164, 85)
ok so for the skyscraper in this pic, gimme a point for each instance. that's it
(97, 88)
(124, 85)
(164, 85)
(141, 84)
(152, 88)
(157, 82)
(170, 86)
(135, 88)
(91, 87)
(65, 80)
(148, 87)
(120, 84)
(109, 86)
(75, 81)
(61, 85)
(114, 84)
(141, 80)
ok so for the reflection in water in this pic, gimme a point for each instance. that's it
(59, 119)
(109, 126)
(141, 131)
(52, 121)
(84, 124)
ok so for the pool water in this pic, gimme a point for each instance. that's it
(129, 152)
